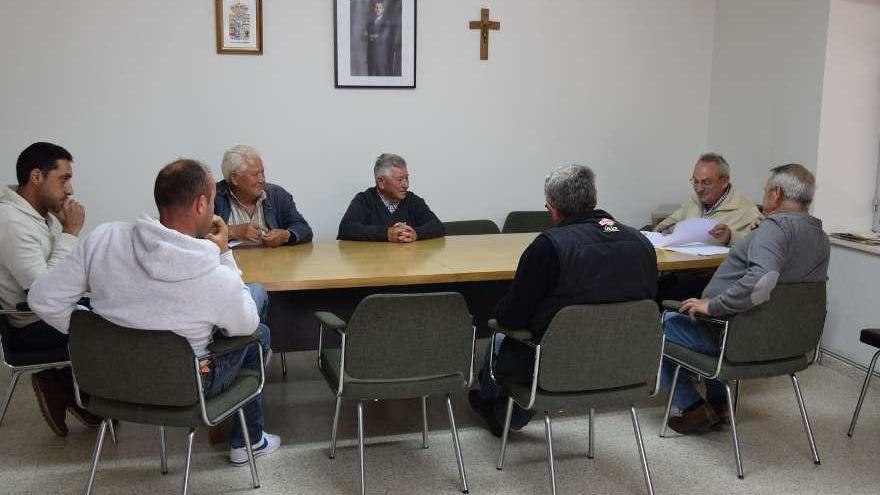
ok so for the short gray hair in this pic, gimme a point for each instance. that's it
(236, 158)
(571, 189)
(718, 160)
(384, 163)
(795, 181)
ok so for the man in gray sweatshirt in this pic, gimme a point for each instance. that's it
(788, 246)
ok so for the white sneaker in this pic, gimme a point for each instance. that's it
(268, 443)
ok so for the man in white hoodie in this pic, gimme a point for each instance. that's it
(174, 274)
(39, 225)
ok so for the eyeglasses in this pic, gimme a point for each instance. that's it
(704, 182)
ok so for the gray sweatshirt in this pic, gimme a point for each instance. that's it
(787, 247)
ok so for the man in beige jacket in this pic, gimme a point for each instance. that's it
(715, 198)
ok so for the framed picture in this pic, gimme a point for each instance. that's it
(239, 26)
(375, 43)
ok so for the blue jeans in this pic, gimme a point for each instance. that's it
(492, 392)
(684, 331)
(226, 367)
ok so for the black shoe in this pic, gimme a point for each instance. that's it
(698, 418)
(485, 409)
(52, 398)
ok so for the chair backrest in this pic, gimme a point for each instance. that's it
(471, 227)
(518, 222)
(789, 325)
(148, 367)
(399, 336)
(600, 347)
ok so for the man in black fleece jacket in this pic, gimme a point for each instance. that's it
(388, 211)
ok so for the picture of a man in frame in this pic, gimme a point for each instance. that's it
(375, 38)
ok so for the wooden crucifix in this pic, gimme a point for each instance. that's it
(484, 25)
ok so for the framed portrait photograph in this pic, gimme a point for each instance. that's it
(239, 26)
(375, 43)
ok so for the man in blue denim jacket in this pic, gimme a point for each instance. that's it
(257, 212)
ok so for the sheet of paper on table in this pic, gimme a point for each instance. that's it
(692, 230)
(700, 249)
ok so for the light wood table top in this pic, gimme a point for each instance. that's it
(467, 258)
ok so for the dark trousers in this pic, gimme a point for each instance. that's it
(35, 337)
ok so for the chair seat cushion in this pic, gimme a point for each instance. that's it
(355, 388)
(735, 371)
(871, 336)
(551, 401)
(245, 384)
(30, 358)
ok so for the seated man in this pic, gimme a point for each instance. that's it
(388, 211)
(39, 225)
(716, 199)
(788, 246)
(587, 257)
(257, 212)
(179, 275)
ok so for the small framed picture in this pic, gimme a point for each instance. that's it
(239, 26)
(375, 43)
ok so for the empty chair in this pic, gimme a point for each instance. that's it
(870, 336)
(20, 362)
(518, 222)
(471, 227)
(152, 377)
(775, 338)
(600, 355)
(398, 346)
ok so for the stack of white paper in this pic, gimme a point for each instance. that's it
(689, 236)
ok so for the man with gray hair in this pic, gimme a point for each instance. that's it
(256, 211)
(788, 246)
(586, 258)
(715, 198)
(389, 211)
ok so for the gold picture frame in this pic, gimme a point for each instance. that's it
(239, 26)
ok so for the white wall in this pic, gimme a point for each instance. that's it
(852, 303)
(850, 129)
(766, 91)
(129, 86)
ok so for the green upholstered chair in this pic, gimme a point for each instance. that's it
(471, 227)
(398, 346)
(20, 362)
(592, 356)
(778, 337)
(518, 222)
(152, 377)
(870, 336)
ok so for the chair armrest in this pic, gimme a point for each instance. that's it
(330, 320)
(523, 334)
(671, 305)
(676, 306)
(23, 307)
(223, 344)
(16, 312)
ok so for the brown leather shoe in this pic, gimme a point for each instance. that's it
(698, 418)
(52, 398)
(722, 411)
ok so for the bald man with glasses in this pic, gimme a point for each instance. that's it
(715, 198)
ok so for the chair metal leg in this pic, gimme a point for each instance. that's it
(505, 434)
(163, 455)
(548, 431)
(739, 466)
(255, 477)
(457, 445)
(360, 432)
(283, 364)
(852, 424)
(737, 384)
(669, 402)
(424, 422)
(189, 448)
(806, 419)
(335, 427)
(112, 432)
(590, 452)
(13, 380)
(96, 455)
(638, 431)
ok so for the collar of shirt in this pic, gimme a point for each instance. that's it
(708, 211)
(392, 206)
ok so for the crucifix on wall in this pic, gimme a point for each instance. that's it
(484, 25)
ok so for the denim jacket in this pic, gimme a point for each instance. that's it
(278, 208)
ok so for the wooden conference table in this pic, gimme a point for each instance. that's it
(335, 275)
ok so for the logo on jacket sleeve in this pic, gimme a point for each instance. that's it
(608, 225)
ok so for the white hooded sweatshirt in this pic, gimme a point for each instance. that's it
(146, 276)
(30, 245)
